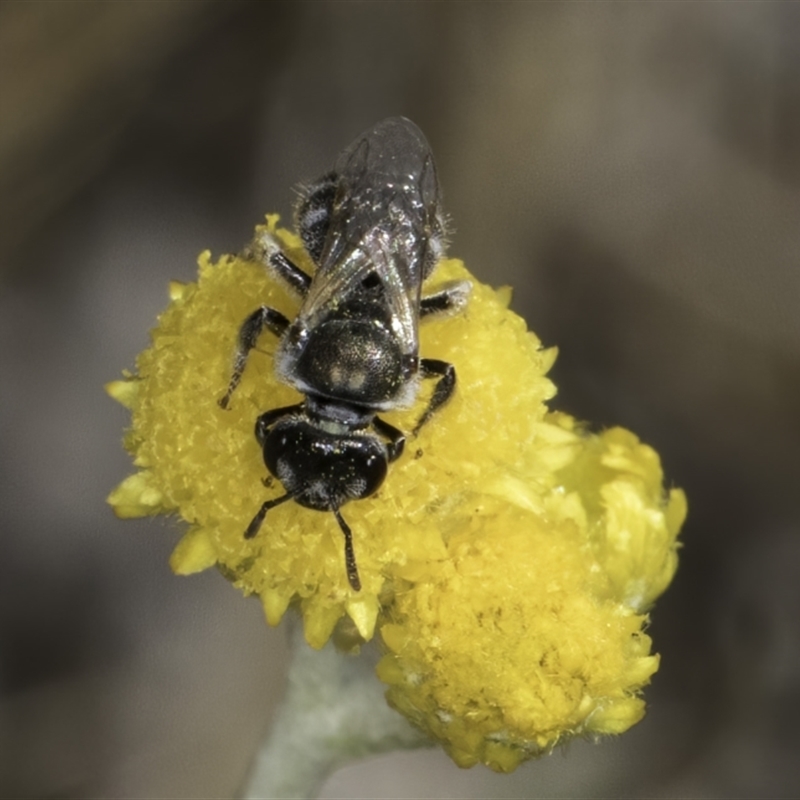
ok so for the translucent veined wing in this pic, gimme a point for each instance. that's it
(384, 215)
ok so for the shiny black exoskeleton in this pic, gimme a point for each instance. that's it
(374, 229)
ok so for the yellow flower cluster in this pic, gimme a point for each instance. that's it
(531, 631)
(508, 559)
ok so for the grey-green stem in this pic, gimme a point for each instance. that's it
(334, 712)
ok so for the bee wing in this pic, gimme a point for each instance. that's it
(395, 151)
(386, 206)
(356, 266)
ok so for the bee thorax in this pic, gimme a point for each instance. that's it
(353, 361)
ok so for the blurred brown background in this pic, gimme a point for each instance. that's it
(632, 169)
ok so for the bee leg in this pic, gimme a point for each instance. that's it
(251, 329)
(450, 299)
(397, 439)
(443, 391)
(269, 418)
(258, 519)
(349, 553)
(266, 249)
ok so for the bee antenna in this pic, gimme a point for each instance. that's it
(349, 554)
(258, 519)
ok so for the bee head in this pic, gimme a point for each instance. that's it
(324, 466)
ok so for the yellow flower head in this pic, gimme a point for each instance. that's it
(532, 630)
(508, 558)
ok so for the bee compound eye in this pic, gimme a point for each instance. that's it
(359, 469)
(373, 470)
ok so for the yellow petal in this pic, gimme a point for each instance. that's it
(275, 604)
(125, 392)
(617, 716)
(364, 612)
(177, 289)
(193, 553)
(136, 496)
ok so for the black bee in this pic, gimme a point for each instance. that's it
(374, 229)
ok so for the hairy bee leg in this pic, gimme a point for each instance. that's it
(443, 391)
(349, 553)
(266, 249)
(269, 418)
(262, 317)
(397, 439)
(258, 519)
(450, 299)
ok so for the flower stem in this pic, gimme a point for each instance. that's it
(334, 712)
